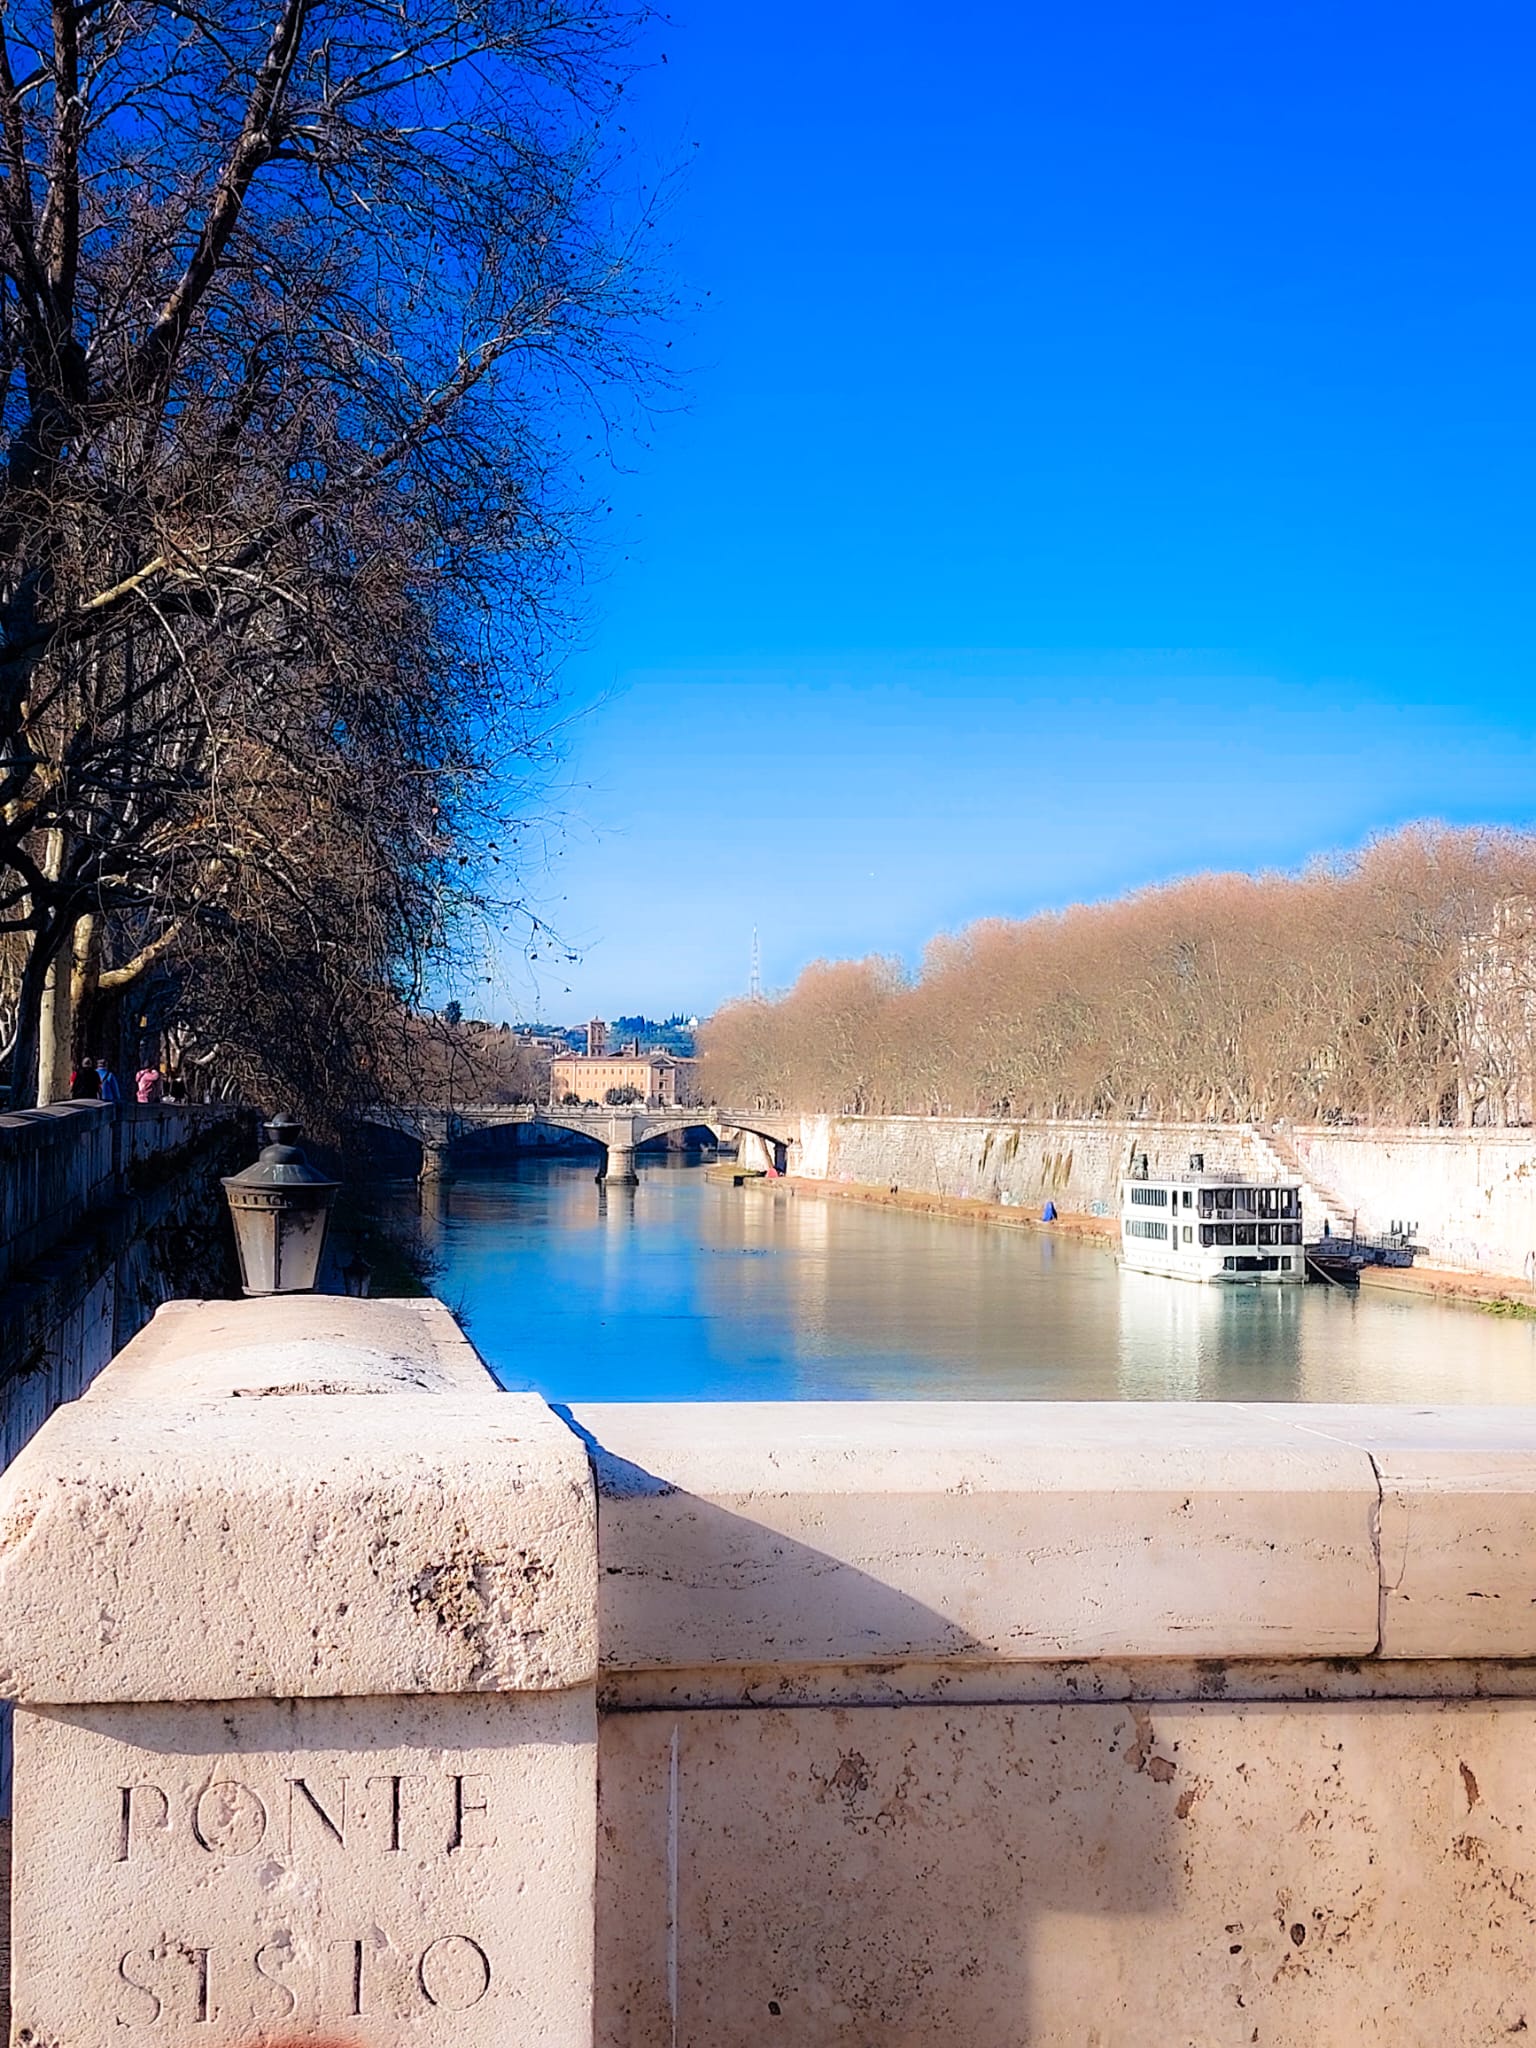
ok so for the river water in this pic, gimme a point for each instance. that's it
(682, 1289)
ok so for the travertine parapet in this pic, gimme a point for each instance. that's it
(758, 1534)
(295, 1344)
(295, 1500)
(1458, 1524)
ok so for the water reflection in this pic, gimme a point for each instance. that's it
(683, 1289)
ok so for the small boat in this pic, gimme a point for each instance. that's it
(1212, 1227)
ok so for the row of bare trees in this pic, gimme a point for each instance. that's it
(1396, 985)
(297, 298)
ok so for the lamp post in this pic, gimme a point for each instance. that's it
(281, 1208)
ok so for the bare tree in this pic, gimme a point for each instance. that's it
(1395, 985)
(294, 302)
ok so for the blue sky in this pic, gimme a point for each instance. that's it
(1107, 454)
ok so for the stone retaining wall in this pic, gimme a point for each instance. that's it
(361, 1701)
(105, 1212)
(1471, 1194)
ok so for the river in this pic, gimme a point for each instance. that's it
(681, 1289)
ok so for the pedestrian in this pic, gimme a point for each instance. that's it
(85, 1085)
(111, 1091)
(147, 1084)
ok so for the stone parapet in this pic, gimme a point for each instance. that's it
(977, 1533)
(1058, 1723)
(1064, 1724)
(841, 1533)
(299, 1611)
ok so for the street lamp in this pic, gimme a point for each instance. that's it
(281, 1208)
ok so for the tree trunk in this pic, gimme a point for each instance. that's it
(55, 1031)
(67, 1013)
(29, 1011)
(53, 1016)
(84, 977)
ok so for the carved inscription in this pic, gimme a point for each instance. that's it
(294, 1824)
(367, 1977)
(389, 1812)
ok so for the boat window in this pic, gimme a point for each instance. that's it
(1245, 1233)
(1188, 1197)
(1136, 1226)
(1143, 1197)
(1269, 1233)
(1290, 1233)
(1189, 1234)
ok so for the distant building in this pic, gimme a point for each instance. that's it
(597, 1039)
(654, 1080)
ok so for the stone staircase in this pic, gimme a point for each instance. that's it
(1275, 1154)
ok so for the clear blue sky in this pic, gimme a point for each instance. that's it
(1108, 455)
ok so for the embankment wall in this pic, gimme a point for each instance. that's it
(1471, 1195)
(105, 1212)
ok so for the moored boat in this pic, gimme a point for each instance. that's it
(1212, 1227)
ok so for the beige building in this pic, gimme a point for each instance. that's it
(659, 1080)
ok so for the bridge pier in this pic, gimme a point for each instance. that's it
(434, 1162)
(619, 1165)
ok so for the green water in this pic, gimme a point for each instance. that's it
(684, 1290)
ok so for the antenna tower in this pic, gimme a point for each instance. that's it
(755, 983)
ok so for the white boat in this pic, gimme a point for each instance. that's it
(1212, 1227)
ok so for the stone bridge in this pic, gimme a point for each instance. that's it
(620, 1132)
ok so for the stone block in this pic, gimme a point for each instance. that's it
(360, 1512)
(1458, 1524)
(370, 1872)
(1069, 1877)
(843, 1533)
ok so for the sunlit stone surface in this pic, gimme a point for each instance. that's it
(1126, 1877)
